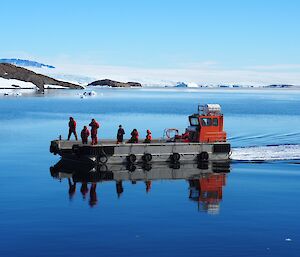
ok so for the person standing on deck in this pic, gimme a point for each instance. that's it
(120, 134)
(85, 133)
(148, 137)
(134, 136)
(94, 125)
(72, 128)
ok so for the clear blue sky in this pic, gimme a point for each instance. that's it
(156, 33)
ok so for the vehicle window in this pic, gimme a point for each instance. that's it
(194, 121)
(206, 122)
(215, 122)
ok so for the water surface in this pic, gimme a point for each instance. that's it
(256, 215)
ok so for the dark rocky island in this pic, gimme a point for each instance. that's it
(279, 86)
(112, 83)
(10, 71)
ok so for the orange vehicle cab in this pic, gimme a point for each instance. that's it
(206, 126)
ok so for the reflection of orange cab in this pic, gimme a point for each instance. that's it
(207, 191)
(211, 188)
(207, 125)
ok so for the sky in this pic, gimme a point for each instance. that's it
(210, 41)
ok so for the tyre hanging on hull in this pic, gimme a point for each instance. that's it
(131, 158)
(147, 157)
(203, 157)
(175, 157)
(102, 159)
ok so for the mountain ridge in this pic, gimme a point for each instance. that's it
(10, 71)
(25, 63)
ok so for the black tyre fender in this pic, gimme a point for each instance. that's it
(131, 158)
(203, 156)
(147, 157)
(102, 159)
(175, 157)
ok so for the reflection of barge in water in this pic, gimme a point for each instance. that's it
(206, 180)
(204, 140)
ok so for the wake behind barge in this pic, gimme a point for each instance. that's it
(204, 140)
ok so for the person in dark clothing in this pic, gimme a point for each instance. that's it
(148, 137)
(72, 128)
(94, 125)
(134, 136)
(85, 133)
(120, 134)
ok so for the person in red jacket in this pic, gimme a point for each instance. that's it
(94, 125)
(134, 136)
(72, 128)
(84, 135)
(148, 137)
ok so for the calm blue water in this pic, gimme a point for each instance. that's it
(256, 215)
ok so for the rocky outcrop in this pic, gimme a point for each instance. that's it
(10, 71)
(279, 86)
(112, 83)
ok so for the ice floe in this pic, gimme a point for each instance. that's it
(266, 153)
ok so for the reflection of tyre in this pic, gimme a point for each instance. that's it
(147, 166)
(203, 165)
(203, 156)
(131, 158)
(102, 168)
(131, 167)
(147, 157)
(175, 157)
(102, 159)
(176, 166)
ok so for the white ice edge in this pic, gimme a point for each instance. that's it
(54, 87)
(266, 153)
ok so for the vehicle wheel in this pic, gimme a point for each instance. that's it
(203, 156)
(147, 157)
(131, 158)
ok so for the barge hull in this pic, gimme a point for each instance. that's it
(157, 151)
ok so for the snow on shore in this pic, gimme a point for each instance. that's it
(54, 87)
(15, 84)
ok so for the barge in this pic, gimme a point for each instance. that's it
(204, 140)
